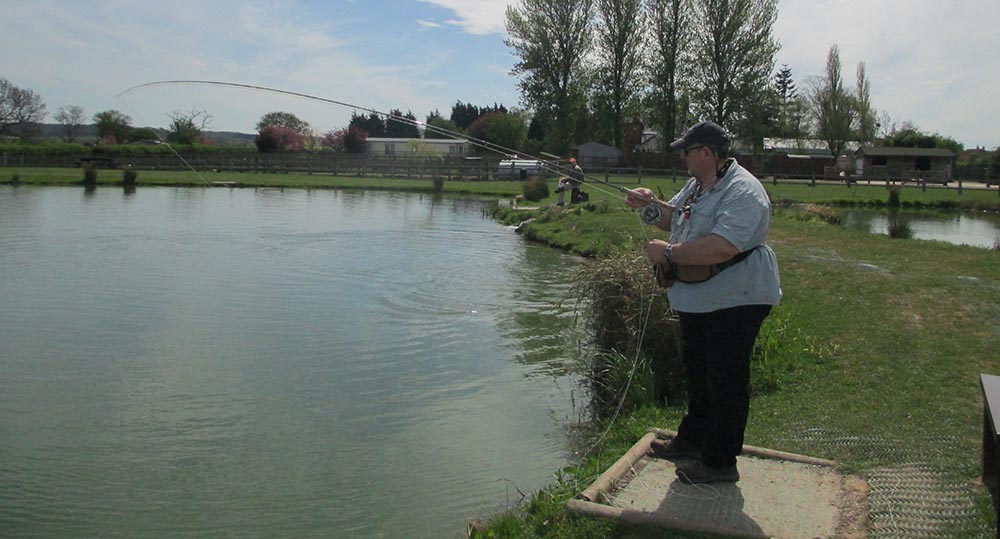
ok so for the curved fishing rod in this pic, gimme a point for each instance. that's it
(485, 144)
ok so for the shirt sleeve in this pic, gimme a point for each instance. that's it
(739, 216)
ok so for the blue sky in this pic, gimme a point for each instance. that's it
(930, 62)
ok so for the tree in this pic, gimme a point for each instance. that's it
(463, 114)
(277, 138)
(355, 141)
(832, 106)
(671, 32)
(619, 36)
(439, 127)
(867, 122)
(399, 125)
(551, 38)
(334, 140)
(282, 119)
(188, 127)
(733, 56)
(910, 136)
(113, 127)
(784, 84)
(504, 129)
(791, 108)
(71, 118)
(372, 124)
(19, 106)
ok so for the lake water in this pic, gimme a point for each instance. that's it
(980, 229)
(265, 363)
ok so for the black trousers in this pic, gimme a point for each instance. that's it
(716, 356)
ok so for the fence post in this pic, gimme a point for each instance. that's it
(960, 186)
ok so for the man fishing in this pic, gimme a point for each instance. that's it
(726, 284)
(572, 182)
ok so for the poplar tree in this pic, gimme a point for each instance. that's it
(551, 38)
(866, 119)
(619, 36)
(734, 50)
(670, 33)
(832, 106)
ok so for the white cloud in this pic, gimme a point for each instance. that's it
(477, 17)
(428, 24)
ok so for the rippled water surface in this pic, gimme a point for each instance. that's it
(264, 363)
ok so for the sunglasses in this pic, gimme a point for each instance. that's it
(690, 149)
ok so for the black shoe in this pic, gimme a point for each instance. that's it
(676, 448)
(696, 472)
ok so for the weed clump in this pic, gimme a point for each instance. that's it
(636, 335)
(89, 174)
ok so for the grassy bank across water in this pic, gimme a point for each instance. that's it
(904, 328)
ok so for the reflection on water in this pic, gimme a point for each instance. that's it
(209, 362)
(960, 228)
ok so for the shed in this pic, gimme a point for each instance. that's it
(888, 163)
(597, 154)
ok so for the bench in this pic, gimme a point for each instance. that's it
(991, 439)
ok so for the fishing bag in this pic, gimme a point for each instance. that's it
(668, 273)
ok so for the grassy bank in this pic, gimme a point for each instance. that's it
(905, 326)
(882, 340)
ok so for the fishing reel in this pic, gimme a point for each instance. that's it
(651, 214)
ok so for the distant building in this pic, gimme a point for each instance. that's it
(414, 147)
(651, 142)
(932, 165)
(596, 154)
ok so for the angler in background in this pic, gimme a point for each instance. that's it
(723, 282)
(573, 183)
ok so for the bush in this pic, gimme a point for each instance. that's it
(535, 189)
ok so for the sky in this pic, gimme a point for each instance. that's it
(931, 63)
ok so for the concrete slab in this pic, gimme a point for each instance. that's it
(778, 495)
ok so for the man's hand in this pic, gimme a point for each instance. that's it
(639, 197)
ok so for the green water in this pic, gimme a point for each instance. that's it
(265, 363)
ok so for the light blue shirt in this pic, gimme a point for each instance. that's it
(738, 209)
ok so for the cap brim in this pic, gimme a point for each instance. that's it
(678, 144)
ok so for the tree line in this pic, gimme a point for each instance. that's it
(606, 70)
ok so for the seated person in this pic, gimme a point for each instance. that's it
(572, 182)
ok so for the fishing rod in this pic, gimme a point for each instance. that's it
(485, 144)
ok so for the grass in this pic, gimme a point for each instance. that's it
(878, 340)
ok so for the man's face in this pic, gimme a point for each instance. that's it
(697, 161)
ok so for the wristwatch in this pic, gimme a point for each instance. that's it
(668, 252)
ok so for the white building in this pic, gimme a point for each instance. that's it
(417, 147)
